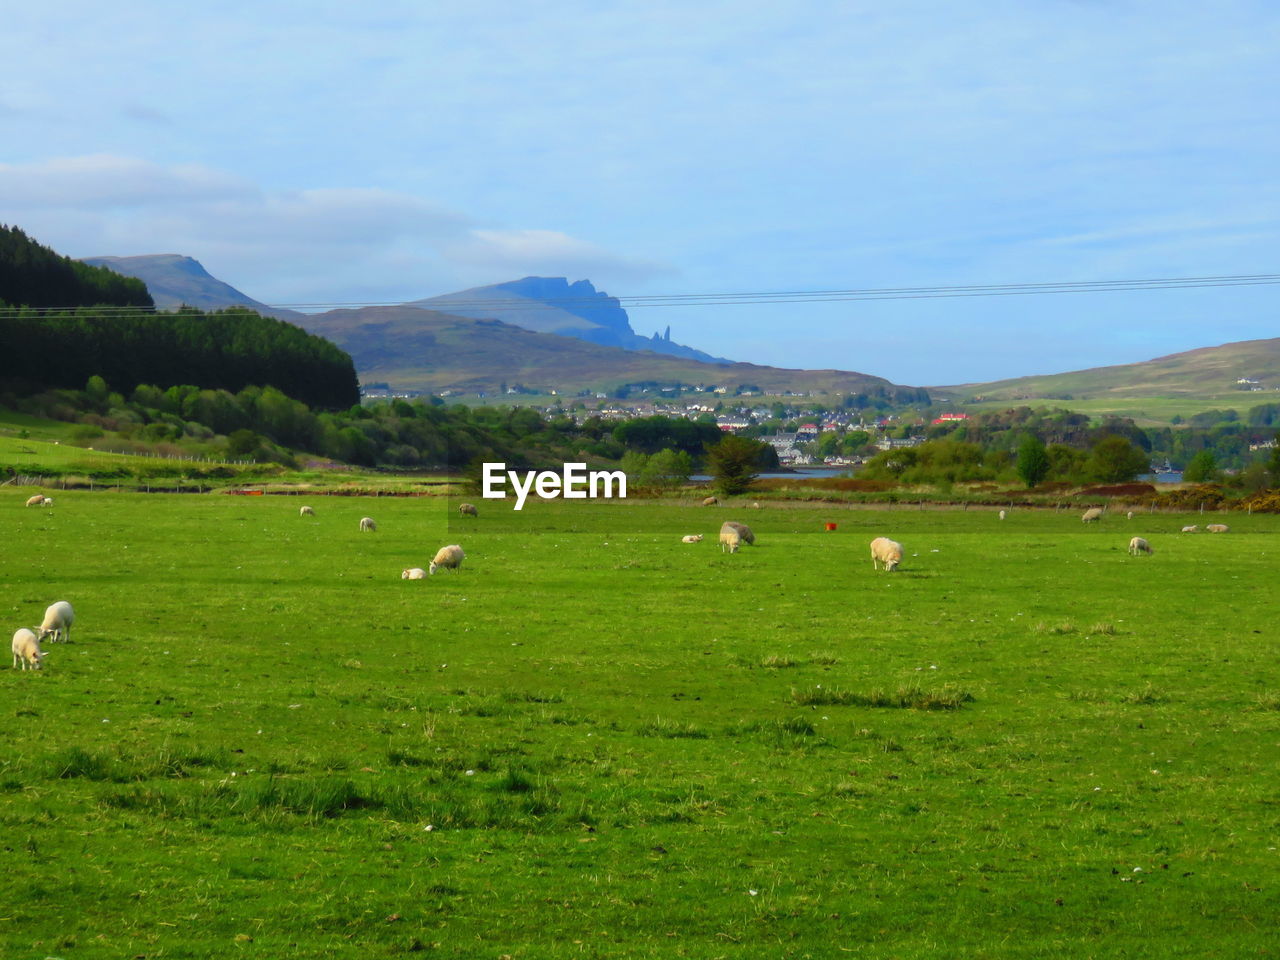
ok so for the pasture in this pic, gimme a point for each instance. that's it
(596, 741)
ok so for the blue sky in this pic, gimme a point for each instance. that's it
(384, 151)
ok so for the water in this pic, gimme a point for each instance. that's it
(793, 474)
(1166, 476)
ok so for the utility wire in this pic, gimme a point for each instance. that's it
(499, 304)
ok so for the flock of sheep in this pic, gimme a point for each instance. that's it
(59, 616)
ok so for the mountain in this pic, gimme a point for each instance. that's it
(1201, 378)
(554, 305)
(174, 280)
(415, 349)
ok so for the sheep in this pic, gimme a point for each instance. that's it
(886, 551)
(413, 573)
(755, 506)
(1138, 545)
(1217, 528)
(1001, 514)
(58, 619)
(46, 501)
(26, 649)
(1092, 514)
(36, 501)
(710, 502)
(468, 510)
(1191, 529)
(447, 558)
(734, 534)
(1129, 515)
(692, 538)
(366, 523)
(306, 512)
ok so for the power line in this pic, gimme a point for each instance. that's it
(499, 304)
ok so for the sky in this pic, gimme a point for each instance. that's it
(337, 153)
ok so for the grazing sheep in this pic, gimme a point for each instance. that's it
(468, 510)
(1092, 514)
(1129, 515)
(26, 650)
(413, 573)
(1191, 529)
(1217, 528)
(306, 512)
(46, 501)
(1138, 545)
(710, 502)
(36, 501)
(366, 523)
(447, 558)
(58, 618)
(1001, 514)
(692, 538)
(755, 506)
(734, 534)
(886, 551)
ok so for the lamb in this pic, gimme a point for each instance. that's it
(1092, 514)
(306, 512)
(886, 551)
(26, 650)
(710, 502)
(46, 501)
(692, 538)
(366, 523)
(755, 506)
(734, 534)
(1217, 528)
(36, 501)
(1191, 529)
(58, 619)
(413, 573)
(1001, 514)
(1138, 545)
(468, 510)
(1129, 515)
(447, 558)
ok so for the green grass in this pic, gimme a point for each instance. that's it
(594, 740)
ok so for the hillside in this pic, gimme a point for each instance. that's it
(553, 305)
(33, 275)
(1190, 381)
(415, 349)
(174, 280)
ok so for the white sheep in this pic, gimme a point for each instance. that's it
(468, 510)
(692, 538)
(1129, 515)
(734, 534)
(447, 558)
(306, 512)
(413, 573)
(755, 506)
(46, 501)
(886, 551)
(1217, 528)
(366, 523)
(1092, 514)
(1138, 545)
(1001, 514)
(36, 501)
(58, 618)
(710, 502)
(26, 649)
(1191, 529)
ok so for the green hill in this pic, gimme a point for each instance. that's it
(1182, 383)
(415, 349)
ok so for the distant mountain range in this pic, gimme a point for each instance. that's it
(540, 332)
(554, 305)
(174, 280)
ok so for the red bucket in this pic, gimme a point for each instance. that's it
(830, 526)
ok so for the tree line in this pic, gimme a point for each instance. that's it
(34, 275)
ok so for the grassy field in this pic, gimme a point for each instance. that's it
(595, 741)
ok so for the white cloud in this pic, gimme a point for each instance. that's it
(326, 243)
